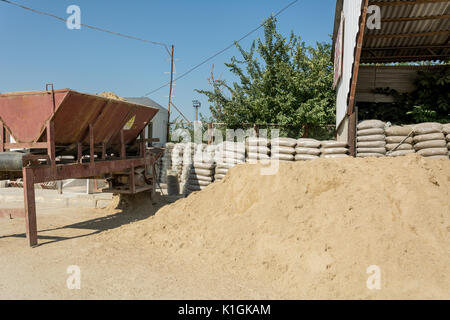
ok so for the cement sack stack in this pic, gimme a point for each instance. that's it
(283, 149)
(227, 155)
(257, 149)
(446, 131)
(188, 160)
(307, 149)
(173, 185)
(334, 149)
(430, 141)
(201, 176)
(166, 162)
(399, 141)
(177, 158)
(371, 139)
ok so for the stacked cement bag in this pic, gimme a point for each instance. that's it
(201, 176)
(371, 139)
(188, 159)
(399, 140)
(334, 149)
(307, 149)
(283, 149)
(257, 149)
(209, 153)
(165, 162)
(173, 185)
(446, 131)
(177, 158)
(430, 141)
(227, 155)
(222, 170)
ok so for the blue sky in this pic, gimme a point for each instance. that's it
(37, 49)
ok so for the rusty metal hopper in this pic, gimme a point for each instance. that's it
(25, 115)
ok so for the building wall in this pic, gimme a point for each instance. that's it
(352, 12)
(159, 122)
(159, 126)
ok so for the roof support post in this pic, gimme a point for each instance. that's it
(354, 81)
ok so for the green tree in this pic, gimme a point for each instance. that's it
(281, 81)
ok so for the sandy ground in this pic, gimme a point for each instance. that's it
(111, 269)
(309, 232)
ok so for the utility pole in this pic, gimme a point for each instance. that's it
(196, 104)
(170, 94)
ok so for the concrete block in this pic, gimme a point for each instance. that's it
(101, 204)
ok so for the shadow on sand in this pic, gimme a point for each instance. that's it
(131, 208)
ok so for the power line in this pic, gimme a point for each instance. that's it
(88, 26)
(221, 51)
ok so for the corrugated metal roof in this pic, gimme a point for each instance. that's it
(146, 102)
(410, 31)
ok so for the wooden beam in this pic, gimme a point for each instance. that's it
(408, 47)
(407, 35)
(419, 58)
(403, 3)
(358, 50)
(351, 138)
(402, 19)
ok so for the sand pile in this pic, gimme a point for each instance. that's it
(227, 155)
(110, 95)
(312, 230)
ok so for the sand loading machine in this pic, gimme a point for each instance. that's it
(62, 134)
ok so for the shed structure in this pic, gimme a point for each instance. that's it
(382, 32)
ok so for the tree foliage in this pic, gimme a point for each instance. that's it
(281, 81)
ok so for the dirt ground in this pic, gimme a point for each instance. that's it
(112, 269)
(309, 232)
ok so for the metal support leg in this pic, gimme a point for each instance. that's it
(123, 153)
(51, 142)
(60, 186)
(80, 152)
(30, 207)
(132, 181)
(91, 145)
(2, 137)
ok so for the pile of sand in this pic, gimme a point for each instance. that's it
(312, 230)
(110, 95)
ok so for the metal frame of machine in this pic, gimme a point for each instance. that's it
(100, 160)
